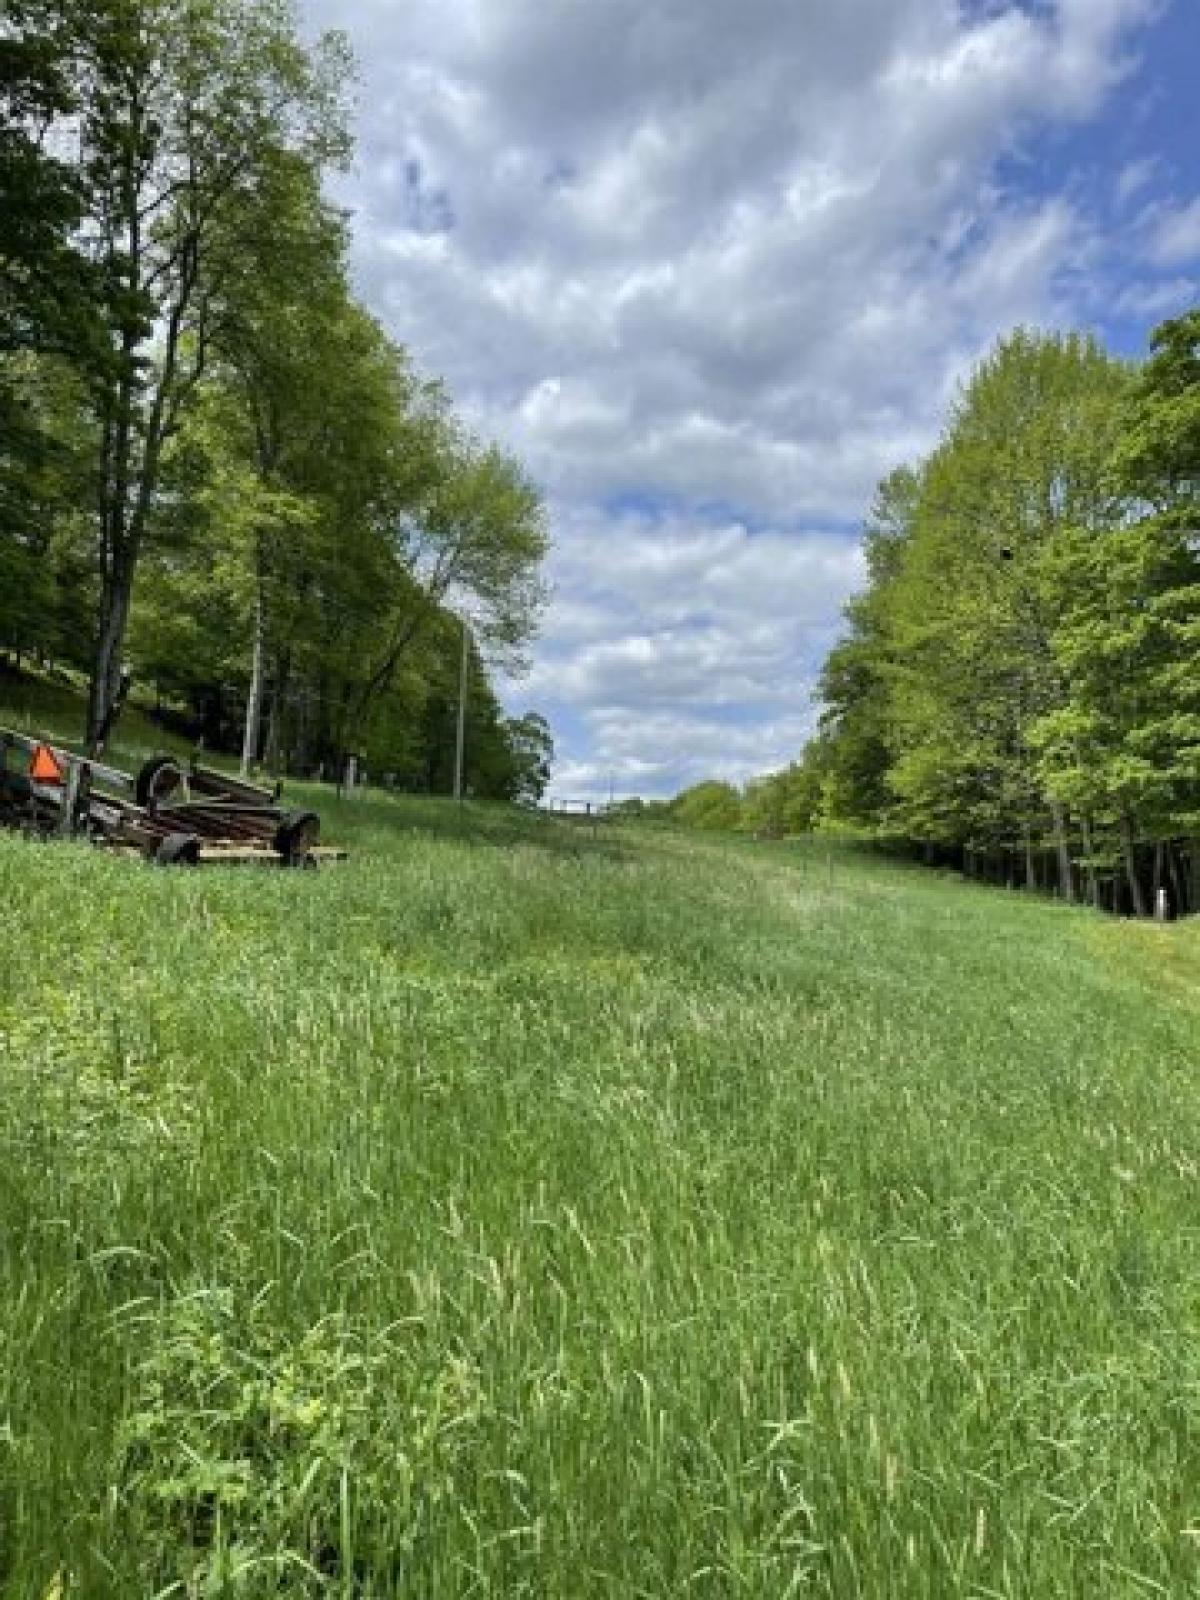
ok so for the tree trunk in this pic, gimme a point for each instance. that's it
(212, 728)
(131, 454)
(1093, 881)
(1062, 849)
(1194, 876)
(1178, 896)
(115, 596)
(274, 737)
(1129, 851)
(116, 572)
(1030, 863)
(258, 678)
(301, 743)
(283, 673)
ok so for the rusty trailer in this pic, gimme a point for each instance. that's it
(167, 812)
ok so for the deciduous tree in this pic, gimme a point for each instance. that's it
(186, 103)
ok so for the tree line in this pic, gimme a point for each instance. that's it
(774, 806)
(1017, 689)
(216, 469)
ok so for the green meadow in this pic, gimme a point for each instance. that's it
(517, 1211)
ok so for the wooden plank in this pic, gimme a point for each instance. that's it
(237, 855)
(233, 808)
(227, 855)
(205, 780)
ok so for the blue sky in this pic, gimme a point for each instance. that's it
(713, 267)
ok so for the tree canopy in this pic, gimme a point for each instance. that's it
(1017, 685)
(216, 468)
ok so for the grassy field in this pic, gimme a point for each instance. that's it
(516, 1213)
(55, 710)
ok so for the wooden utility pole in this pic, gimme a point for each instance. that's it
(461, 743)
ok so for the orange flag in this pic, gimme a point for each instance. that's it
(45, 766)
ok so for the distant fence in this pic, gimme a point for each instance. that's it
(577, 810)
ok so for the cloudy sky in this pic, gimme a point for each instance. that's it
(713, 267)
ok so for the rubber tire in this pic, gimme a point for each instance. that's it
(296, 835)
(145, 785)
(178, 850)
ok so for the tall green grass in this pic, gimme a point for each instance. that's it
(513, 1212)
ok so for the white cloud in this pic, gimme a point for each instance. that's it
(1135, 176)
(1175, 234)
(728, 258)
(655, 754)
(1168, 298)
(690, 647)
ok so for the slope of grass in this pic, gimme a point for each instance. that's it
(515, 1213)
(54, 708)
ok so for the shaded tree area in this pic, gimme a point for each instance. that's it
(1017, 691)
(216, 469)
(52, 340)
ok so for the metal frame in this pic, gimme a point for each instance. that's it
(228, 820)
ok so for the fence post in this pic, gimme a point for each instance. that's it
(70, 800)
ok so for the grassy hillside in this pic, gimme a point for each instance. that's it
(515, 1213)
(56, 710)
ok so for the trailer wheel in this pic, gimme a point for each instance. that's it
(296, 835)
(178, 850)
(157, 780)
